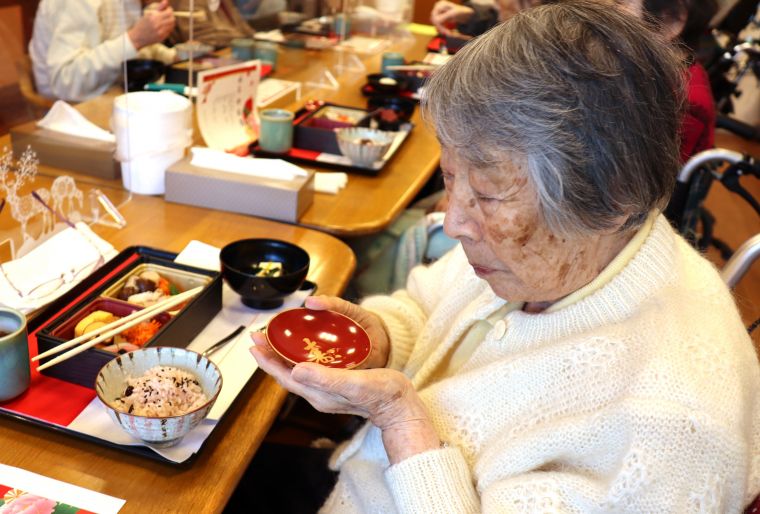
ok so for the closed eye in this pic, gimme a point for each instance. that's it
(485, 198)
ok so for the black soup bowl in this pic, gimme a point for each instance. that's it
(143, 71)
(240, 263)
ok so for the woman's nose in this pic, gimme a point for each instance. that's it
(459, 222)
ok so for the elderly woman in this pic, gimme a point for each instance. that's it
(572, 354)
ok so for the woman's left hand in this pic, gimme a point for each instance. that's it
(385, 397)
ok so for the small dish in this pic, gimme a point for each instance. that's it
(364, 146)
(193, 49)
(390, 112)
(325, 337)
(386, 84)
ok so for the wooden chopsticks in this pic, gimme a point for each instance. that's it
(111, 329)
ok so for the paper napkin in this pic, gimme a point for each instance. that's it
(65, 119)
(52, 268)
(276, 169)
(330, 182)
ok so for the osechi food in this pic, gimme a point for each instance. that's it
(267, 269)
(146, 289)
(131, 339)
(161, 391)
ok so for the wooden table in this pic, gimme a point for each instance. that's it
(368, 204)
(205, 484)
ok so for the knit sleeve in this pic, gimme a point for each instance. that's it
(432, 482)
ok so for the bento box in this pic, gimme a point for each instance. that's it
(316, 130)
(119, 288)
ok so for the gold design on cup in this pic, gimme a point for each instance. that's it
(316, 354)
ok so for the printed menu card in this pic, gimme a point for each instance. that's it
(25, 492)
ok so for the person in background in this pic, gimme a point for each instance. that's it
(685, 22)
(559, 359)
(473, 17)
(251, 9)
(78, 46)
(216, 22)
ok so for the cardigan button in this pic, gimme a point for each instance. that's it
(500, 329)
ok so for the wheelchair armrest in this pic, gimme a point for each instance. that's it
(740, 262)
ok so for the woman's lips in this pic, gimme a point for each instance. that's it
(482, 271)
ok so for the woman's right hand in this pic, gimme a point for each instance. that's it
(370, 322)
(155, 25)
(447, 14)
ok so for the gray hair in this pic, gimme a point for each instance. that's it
(586, 94)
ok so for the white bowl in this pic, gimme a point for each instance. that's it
(364, 146)
(192, 48)
(157, 431)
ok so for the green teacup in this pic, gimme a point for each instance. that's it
(276, 130)
(14, 354)
(266, 53)
(243, 48)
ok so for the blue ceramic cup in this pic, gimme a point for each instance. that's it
(266, 53)
(276, 130)
(391, 59)
(342, 25)
(14, 354)
(243, 48)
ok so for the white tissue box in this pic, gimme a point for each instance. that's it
(283, 200)
(87, 156)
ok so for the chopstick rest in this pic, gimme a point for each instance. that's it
(111, 329)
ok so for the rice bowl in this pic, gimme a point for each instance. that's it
(159, 424)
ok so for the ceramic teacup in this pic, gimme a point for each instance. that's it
(276, 130)
(391, 59)
(342, 25)
(266, 53)
(243, 48)
(14, 354)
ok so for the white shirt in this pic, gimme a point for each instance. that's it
(78, 46)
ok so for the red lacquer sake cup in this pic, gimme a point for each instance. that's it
(325, 337)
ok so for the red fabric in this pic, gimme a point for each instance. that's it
(754, 507)
(698, 124)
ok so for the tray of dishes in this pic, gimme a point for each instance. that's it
(137, 278)
(344, 138)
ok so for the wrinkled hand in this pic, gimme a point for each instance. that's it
(156, 24)
(385, 397)
(370, 322)
(447, 14)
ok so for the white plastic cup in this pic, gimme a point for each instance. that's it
(146, 175)
(152, 131)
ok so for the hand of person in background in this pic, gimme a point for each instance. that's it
(445, 15)
(155, 25)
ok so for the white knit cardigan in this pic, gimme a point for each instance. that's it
(642, 397)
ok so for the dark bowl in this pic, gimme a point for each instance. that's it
(454, 43)
(143, 71)
(386, 84)
(392, 111)
(239, 259)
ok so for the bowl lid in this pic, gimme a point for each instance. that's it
(322, 336)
